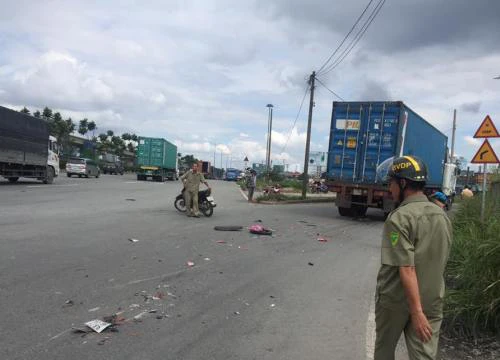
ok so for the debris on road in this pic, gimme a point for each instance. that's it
(207, 259)
(242, 248)
(159, 295)
(310, 264)
(236, 313)
(190, 263)
(133, 240)
(322, 239)
(273, 305)
(102, 341)
(130, 199)
(228, 228)
(94, 309)
(259, 230)
(221, 242)
(69, 303)
(98, 325)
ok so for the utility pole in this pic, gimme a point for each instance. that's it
(215, 149)
(268, 151)
(308, 140)
(452, 160)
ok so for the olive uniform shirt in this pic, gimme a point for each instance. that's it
(418, 233)
(193, 180)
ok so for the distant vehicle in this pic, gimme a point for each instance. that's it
(26, 148)
(365, 134)
(156, 159)
(82, 167)
(232, 174)
(112, 164)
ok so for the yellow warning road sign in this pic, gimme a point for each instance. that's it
(487, 129)
(485, 155)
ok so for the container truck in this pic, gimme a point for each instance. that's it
(156, 159)
(205, 168)
(26, 148)
(363, 135)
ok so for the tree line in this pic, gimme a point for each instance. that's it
(105, 142)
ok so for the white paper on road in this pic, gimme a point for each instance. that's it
(98, 325)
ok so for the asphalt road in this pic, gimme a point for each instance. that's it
(289, 296)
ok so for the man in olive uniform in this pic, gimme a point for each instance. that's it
(410, 284)
(192, 180)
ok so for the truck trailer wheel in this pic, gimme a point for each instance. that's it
(343, 211)
(13, 179)
(49, 179)
(359, 210)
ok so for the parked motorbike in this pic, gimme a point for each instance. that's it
(317, 188)
(206, 202)
(275, 189)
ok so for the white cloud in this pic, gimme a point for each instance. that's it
(472, 141)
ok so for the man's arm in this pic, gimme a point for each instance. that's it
(419, 321)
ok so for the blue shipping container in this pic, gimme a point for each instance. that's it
(364, 134)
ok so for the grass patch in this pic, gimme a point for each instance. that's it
(472, 302)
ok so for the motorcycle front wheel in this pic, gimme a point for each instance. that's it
(180, 205)
(206, 208)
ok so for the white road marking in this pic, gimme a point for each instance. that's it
(244, 195)
(370, 332)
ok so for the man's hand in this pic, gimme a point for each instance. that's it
(421, 326)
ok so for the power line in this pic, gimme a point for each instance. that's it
(345, 38)
(356, 39)
(296, 118)
(327, 88)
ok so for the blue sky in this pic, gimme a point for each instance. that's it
(200, 73)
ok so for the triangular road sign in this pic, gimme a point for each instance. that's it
(487, 129)
(485, 155)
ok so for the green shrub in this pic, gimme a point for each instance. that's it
(473, 270)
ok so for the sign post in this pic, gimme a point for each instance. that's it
(485, 155)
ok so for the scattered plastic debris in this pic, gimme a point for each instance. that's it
(259, 230)
(310, 264)
(322, 239)
(236, 313)
(159, 295)
(133, 240)
(273, 305)
(190, 263)
(153, 311)
(140, 315)
(130, 199)
(69, 303)
(207, 259)
(221, 242)
(94, 309)
(98, 325)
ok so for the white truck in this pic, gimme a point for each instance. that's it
(26, 148)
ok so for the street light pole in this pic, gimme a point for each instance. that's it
(269, 130)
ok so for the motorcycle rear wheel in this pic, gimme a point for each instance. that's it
(180, 205)
(206, 208)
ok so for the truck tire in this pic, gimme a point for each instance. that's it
(49, 179)
(13, 179)
(98, 174)
(343, 211)
(68, 174)
(359, 210)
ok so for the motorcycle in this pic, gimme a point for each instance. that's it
(317, 188)
(274, 189)
(206, 202)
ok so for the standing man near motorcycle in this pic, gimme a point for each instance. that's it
(191, 181)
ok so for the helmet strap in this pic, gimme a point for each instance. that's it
(401, 189)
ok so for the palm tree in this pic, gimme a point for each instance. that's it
(83, 127)
(47, 113)
(110, 133)
(103, 137)
(91, 126)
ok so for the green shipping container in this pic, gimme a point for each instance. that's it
(156, 152)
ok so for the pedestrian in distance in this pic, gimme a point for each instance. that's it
(416, 243)
(251, 183)
(440, 199)
(192, 180)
